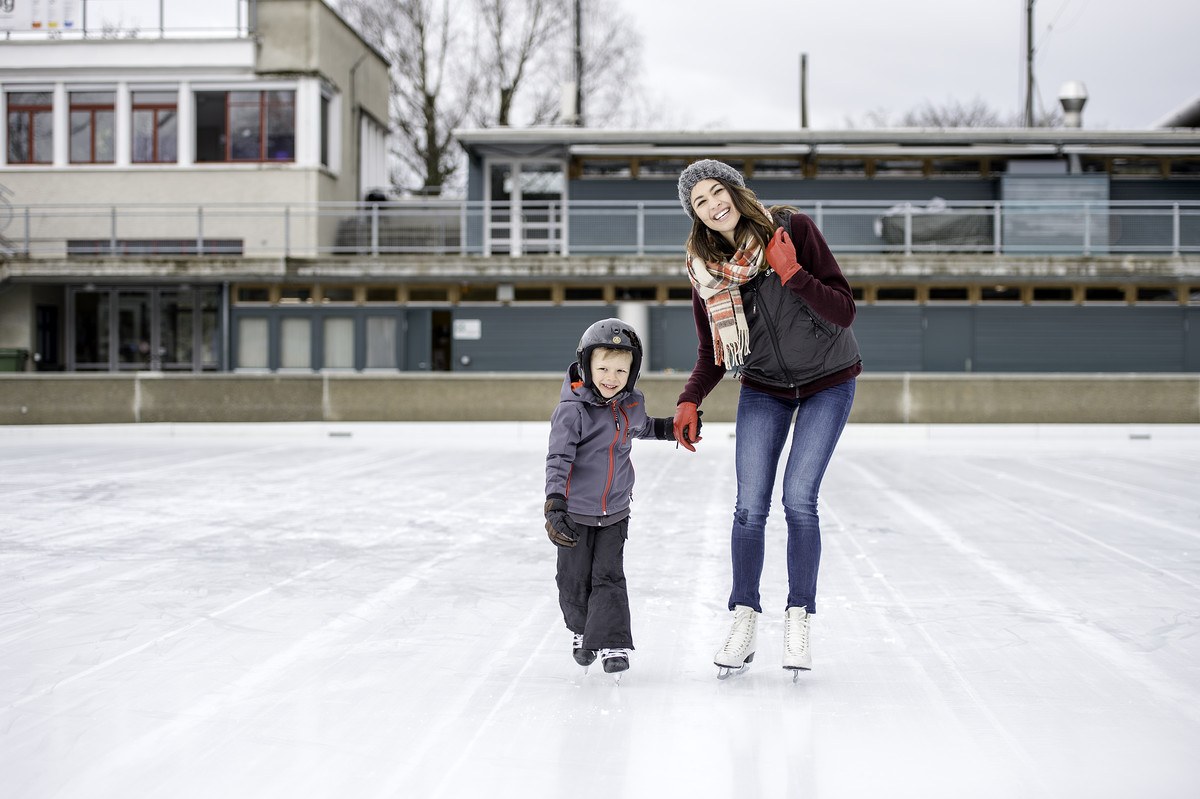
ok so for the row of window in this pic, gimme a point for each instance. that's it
(337, 344)
(661, 293)
(229, 126)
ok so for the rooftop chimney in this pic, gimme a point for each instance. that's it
(1072, 96)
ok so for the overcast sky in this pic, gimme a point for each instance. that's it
(735, 63)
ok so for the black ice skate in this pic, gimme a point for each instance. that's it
(584, 657)
(616, 662)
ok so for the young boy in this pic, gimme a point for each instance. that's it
(589, 482)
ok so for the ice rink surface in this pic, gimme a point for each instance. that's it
(369, 611)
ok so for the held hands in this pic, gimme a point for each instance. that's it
(559, 526)
(781, 255)
(687, 424)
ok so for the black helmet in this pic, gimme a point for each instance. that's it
(614, 335)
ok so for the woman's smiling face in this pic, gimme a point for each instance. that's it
(713, 205)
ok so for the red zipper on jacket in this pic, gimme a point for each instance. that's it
(611, 461)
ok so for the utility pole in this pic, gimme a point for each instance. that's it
(803, 90)
(1029, 63)
(579, 63)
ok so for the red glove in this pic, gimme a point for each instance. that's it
(687, 425)
(781, 255)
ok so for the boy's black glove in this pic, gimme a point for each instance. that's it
(559, 525)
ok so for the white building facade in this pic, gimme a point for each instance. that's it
(289, 107)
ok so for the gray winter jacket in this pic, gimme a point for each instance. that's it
(590, 441)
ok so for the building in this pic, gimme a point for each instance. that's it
(1016, 250)
(137, 166)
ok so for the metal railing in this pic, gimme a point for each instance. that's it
(582, 228)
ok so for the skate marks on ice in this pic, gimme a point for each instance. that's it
(280, 615)
(1045, 619)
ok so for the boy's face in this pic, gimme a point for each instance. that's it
(610, 371)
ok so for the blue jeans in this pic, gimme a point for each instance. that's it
(763, 422)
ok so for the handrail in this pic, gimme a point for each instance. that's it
(583, 228)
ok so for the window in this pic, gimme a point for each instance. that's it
(584, 294)
(1000, 294)
(325, 128)
(339, 343)
(252, 343)
(1104, 294)
(30, 127)
(1053, 294)
(381, 294)
(337, 294)
(245, 126)
(381, 342)
(155, 127)
(92, 125)
(295, 346)
(896, 294)
(948, 294)
(253, 294)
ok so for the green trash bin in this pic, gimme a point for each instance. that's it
(13, 360)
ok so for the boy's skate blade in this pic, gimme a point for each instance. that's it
(724, 672)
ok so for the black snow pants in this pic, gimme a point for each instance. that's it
(591, 587)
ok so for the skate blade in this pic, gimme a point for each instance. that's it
(796, 671)
(725, 672)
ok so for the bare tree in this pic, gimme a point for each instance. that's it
(446, 61)
(529, 57)
(952, 114)
(435, 81)
(612, 60)
(520, 35)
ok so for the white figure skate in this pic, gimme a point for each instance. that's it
(796, 654)
(738, 650)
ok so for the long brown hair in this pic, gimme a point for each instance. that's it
(704, 242)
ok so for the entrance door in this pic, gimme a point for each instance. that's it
(948, 339)
(47, 339)
(525, 208)
(157, 329)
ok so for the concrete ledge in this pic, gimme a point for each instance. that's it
(910, 398)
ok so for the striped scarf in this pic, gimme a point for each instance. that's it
(718, 284)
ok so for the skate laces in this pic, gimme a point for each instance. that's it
(577, 642)
(795, 633)
(608, 654)
(741, 631)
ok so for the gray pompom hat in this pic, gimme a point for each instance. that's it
(703, 170)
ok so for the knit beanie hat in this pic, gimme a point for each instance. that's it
(703, 170)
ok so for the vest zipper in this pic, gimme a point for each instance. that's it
(772, 334)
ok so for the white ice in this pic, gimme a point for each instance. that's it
(369, 611)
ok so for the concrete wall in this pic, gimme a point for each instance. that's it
(917, 398)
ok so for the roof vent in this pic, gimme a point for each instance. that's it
(1072, 96)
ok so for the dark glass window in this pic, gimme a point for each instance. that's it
(245, 126)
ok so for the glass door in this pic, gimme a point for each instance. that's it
(117, 329)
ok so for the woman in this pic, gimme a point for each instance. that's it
(770, 302)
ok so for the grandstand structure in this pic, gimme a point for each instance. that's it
(228, 214)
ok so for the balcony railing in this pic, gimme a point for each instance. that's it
(581, 228)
